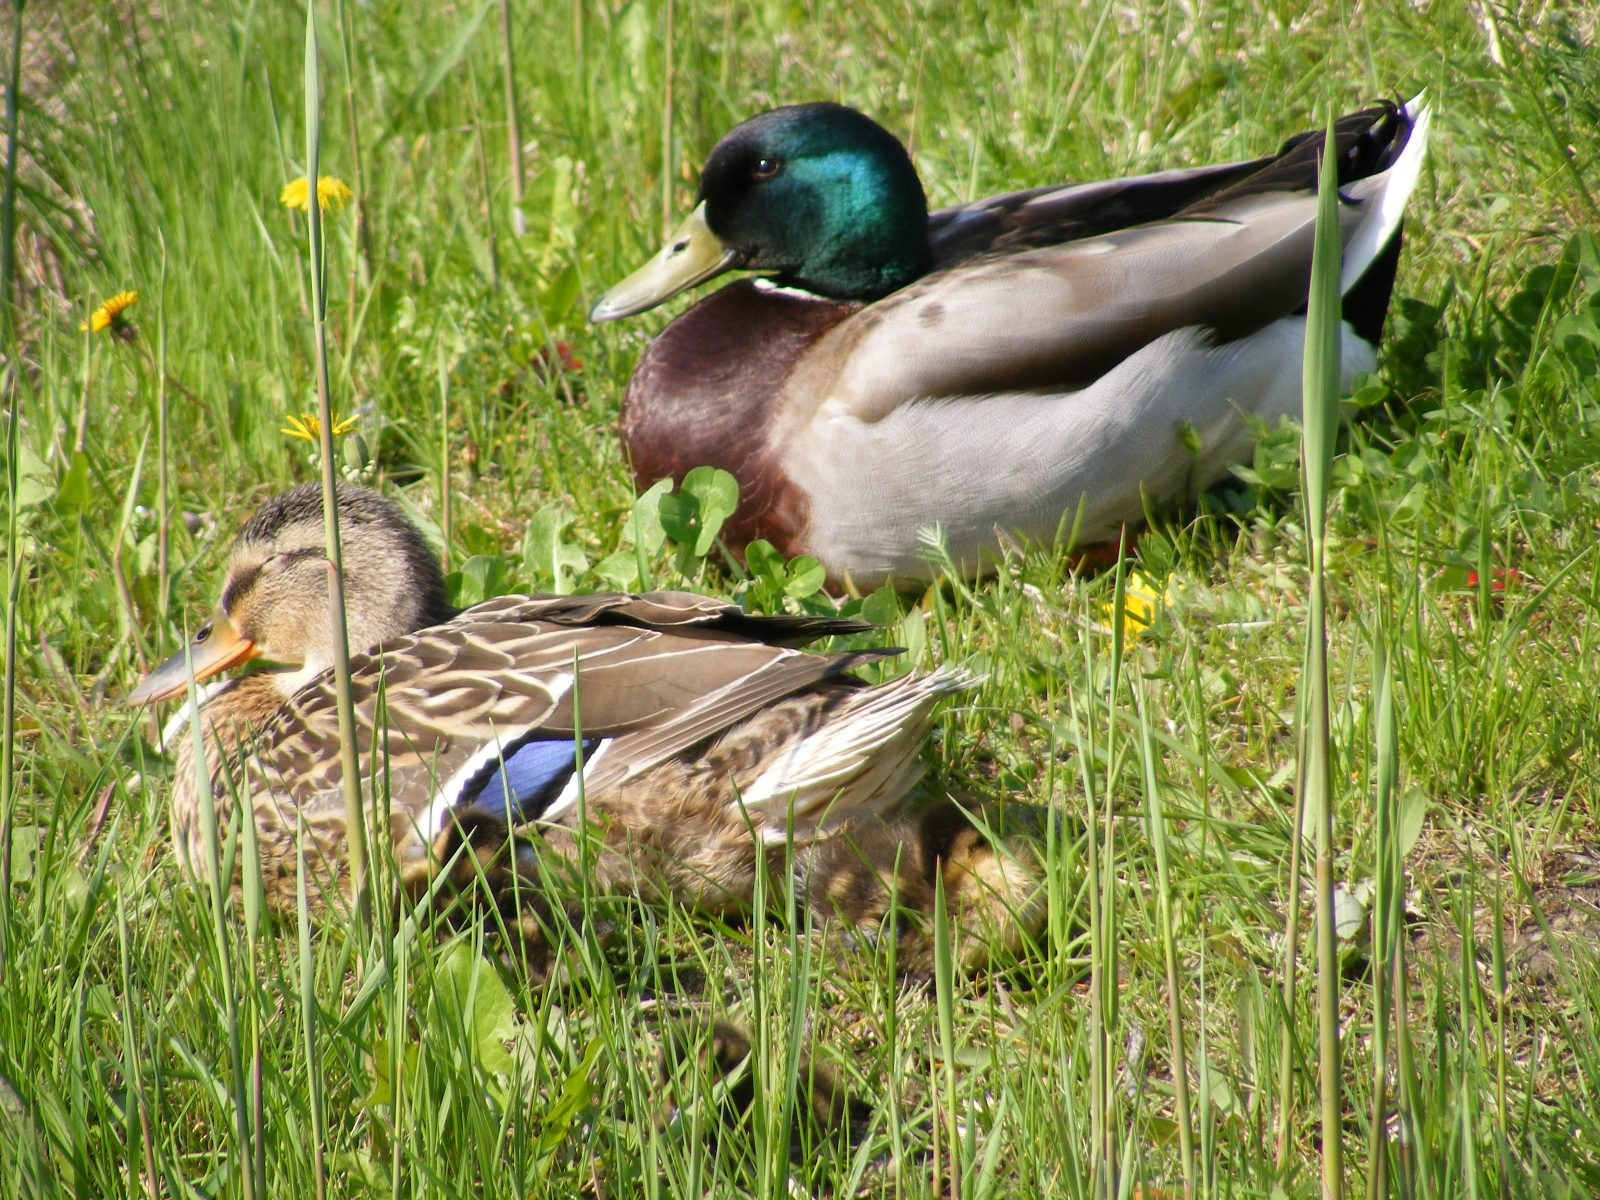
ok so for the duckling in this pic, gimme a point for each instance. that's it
(1044, 362)
(699, 741)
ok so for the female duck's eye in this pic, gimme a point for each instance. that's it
(275, 564)
(766, 168)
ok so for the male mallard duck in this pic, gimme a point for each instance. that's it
(694, 735)
(1034, 362)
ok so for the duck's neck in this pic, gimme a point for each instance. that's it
(869, 229)
(291, 680)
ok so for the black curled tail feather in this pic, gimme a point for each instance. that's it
(1366, 143)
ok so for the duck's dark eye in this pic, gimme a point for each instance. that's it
(766, 168)
(202, 634)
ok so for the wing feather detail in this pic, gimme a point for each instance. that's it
(656, 673)
(870, 745)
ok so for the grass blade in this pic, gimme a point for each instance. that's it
(8, 203)
(519, 221)
(308, 1008)
(219, 860)
(944, 1002)
(8, 715)
(1157, 817)
(1388, 915)
(355, 811)
(8, 237)
(1321, 423)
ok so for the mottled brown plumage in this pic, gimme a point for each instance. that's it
(710, 743)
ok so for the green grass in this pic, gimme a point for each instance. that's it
(147, 1050)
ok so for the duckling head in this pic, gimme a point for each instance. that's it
(274, 602)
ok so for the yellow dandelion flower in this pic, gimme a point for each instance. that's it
(110, 314)
(308, 428)
(1141, 604)
(331, 193)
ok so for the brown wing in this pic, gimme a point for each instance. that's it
(663, 675)
(669, 611)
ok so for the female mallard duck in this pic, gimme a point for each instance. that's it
(695, 736)
(1040, 362)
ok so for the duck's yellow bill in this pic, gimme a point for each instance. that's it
(216, 647)
(693, 254)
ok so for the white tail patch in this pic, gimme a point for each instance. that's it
(1389, 202)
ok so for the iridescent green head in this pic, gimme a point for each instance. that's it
(817, 193)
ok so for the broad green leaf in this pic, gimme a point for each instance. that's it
(73, 495)
(717, 493)
(806, 577)
(764, 563)
(1350, 910)
(25, 843)
(913, 634)
(382, 1079)
(644, 527)
(480, 577)
(1219, 1094)
(694, 516)
(577, 1091)
(1413, 816)
(36, 482)
(546, 555)
(563, 220)
(680, 517)
(620, 570)
(471, 991)
(560, 296)
(882, 607)
(715, 489)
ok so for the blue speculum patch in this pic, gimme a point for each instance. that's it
(528, 775)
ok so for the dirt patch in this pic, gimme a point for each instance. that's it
(1549, 925)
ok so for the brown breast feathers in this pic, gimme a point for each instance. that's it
(706, 394)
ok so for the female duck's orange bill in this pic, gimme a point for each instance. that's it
(216, 647)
